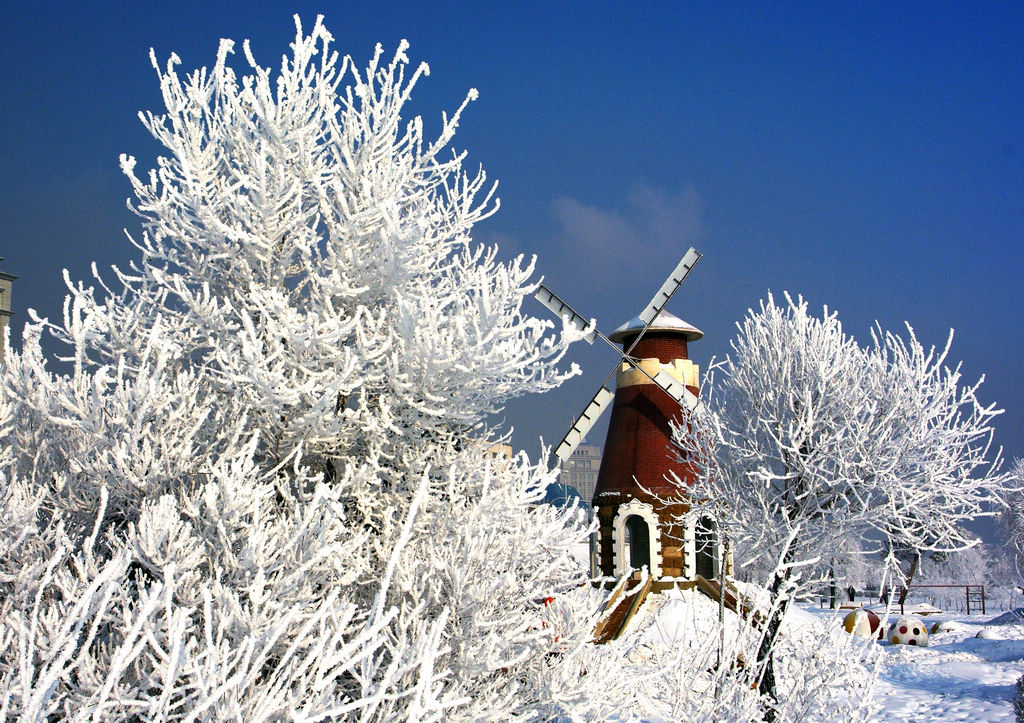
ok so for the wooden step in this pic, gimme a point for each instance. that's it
(621, 607)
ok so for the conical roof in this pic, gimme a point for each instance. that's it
(665, 321)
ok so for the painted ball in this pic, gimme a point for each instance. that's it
(908, 630)
(862, 623)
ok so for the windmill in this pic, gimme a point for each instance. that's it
(639, 510)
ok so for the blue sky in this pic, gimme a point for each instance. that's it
(868, 156)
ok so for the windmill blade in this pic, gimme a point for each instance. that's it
(671, 285)
(675, 389)
(561, 309)
(582, 425)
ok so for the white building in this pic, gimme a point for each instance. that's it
(580, 470)
(6, 309)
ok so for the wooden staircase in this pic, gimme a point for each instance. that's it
(621, 607)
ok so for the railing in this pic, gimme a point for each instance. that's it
(972, 594)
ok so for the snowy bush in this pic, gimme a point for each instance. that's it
(674, 657)
(1018, 700)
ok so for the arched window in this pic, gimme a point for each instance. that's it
(705, 540)
(638, 542)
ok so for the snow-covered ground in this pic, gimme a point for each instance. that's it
(958, 677)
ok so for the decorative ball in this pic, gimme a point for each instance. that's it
(908, 630)
(862, 623)
(987, 634)
(946, 626)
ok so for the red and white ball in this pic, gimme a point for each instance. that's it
(862, 623)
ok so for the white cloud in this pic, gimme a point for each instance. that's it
(652, 227)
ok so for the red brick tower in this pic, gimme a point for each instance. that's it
(637, 527)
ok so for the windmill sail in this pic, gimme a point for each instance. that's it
(561, 309)
(582, 425)
(675, 389)
(671, 285)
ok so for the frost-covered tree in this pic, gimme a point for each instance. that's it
(1012, 519)
(810, 438)
(267, 488)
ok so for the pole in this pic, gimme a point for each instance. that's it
(721, 599)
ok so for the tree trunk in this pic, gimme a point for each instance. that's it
(765, 660)
(832, 586)
(910, 577)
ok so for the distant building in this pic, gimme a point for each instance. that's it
(500, 452)
(6, 309)
(580, 470)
